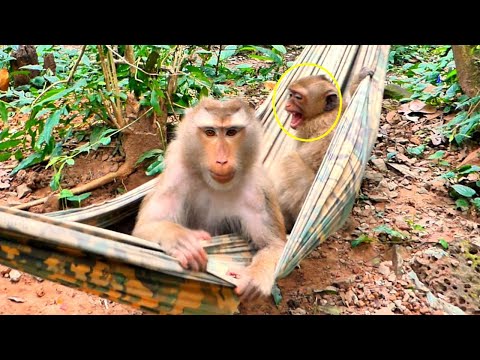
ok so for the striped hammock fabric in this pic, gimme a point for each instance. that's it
(72, 248)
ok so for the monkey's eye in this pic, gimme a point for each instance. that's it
(290, 95)
(232, 132)
(298, 96)
(209, 132)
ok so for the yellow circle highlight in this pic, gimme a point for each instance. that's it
(275, 108)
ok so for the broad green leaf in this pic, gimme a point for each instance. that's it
(154, 102)
(417, 150)
(155, 168)
(105, 140)
(448, 175)
(444, 243)
(51, 122)
(244, 66)
(443, 163)
(56, 94)
(9, 144)
(5, 156)
(439, 154)
(476, 203)
(55, 182)
(65, 193)
(3, 111)
(360, 240)
(229, 51)
(32, 67)
(280, 48)
(467, 169)
(70, 161)
(464, 190)
(4, 133)
(389, 231)
(452, 90)
(462, 203)
(33, 159)
(78, 198)
(18, 155)
(149, 154)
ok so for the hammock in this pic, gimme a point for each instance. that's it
(72, 247)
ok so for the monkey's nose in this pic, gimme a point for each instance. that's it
(222, 162)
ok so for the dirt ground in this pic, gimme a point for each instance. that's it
(414, 275)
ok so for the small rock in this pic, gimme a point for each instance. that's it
(4, 270)
(298, 311)
(15, 276)
(40, 292)
(424, 310)
(323, 302)
(39, 279)
(392, 277)
(383, 269)
(405, 182)
(105, 157)
(23, 190)
(422, 190)
(379, 164)
(373, 176)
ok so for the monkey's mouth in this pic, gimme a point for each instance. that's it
(297, 119)
(222, 178)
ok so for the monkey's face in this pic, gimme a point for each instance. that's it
(224, 145)
(310, 97)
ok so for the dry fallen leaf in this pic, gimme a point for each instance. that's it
(391, 116)
(16, 299)
(269, 85)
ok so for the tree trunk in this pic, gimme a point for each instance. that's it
(24, 55)
(468, 72)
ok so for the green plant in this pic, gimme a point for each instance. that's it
(362, 239)
(157, 166)
(462, 188)
(394, 235)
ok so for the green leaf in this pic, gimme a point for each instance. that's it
(389, 231)
(5, 156)
(31, 67)
(448, 175)
(452, 90)
(361, 239)
(443, 163)
(3, 111)
(56, 94)
(78, 198)
(417, 150)
(149, 154)
(229, 51)
(33, 159)
(105, 140)
(276, 294)
(444, 243)
(154, 101)
(70, 161)
(462, 203)
(476, 203)
(18, 155)
(439, 154)
(46, 134)
(55, 182)
(464, 190)
(65, 193)
(9, 144)
(280, 48)
(155, 168)
(467, 169)
(4, 133)
(390, 155)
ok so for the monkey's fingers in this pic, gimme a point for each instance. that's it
(195, 255)
(177, 254)
(203, 235)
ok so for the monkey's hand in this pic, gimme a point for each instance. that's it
(188, 250)
(366, 71)
(252, 283)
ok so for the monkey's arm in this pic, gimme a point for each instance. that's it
(155, 222)
(265, 227)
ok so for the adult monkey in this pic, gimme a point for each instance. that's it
(213, 184)
(313, 103)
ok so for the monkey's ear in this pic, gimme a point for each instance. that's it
(331, 101)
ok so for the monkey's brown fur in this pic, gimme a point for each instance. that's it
(213, 184)
(314, 105)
